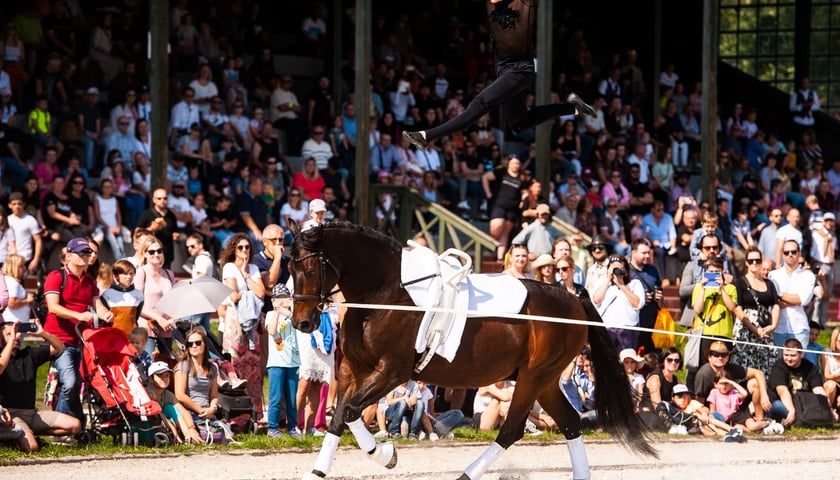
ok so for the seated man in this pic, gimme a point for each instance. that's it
(751, 379)
(18, 369)
(403, 404)
(791, 374)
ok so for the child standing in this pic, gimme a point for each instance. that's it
(138, 339)
(122, 299)
(283, 362)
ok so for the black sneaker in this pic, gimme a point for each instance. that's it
(582, 107)
(419, 141)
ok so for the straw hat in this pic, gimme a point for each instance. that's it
(541, 261)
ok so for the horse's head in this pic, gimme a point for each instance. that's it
(314, 276)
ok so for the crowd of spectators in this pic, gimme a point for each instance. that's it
(76, 149)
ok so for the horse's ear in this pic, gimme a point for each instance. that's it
(294, 229)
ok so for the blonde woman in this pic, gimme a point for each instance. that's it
(516, 262)
(153, 280)
(309, 180)
(20, 301)
(544, 269)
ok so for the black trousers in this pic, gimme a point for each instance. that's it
(508, 91)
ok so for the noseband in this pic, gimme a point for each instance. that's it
(322, 296)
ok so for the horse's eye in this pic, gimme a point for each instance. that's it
(310, 273)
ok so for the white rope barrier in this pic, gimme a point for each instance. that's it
(570, 321)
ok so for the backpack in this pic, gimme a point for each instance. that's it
(39, 304)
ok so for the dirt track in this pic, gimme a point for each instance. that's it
(761, 457)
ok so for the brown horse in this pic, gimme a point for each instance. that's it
(379, 352)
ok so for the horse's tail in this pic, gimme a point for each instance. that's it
(613, 399)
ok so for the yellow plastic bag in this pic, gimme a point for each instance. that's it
(664, 323)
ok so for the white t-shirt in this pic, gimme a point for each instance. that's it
(616, 310)
(230, 271)
(16, 290)
(198, 215)
(25, 227)
(180, 205)
(297, 215)
(202, 92)
(202, 265)
(108, 210)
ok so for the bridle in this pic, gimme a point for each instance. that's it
(322, 296)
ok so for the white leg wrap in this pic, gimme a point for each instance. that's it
(478, 467)
(326, 456)
(363, 436)
(580, 464)
(385, 455)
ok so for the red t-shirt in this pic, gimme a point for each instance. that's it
(78, 295)
(311, 188)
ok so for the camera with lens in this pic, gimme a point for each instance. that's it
(619, 272)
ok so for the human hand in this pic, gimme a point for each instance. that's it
(106, 316)
(791, 416)
(765, 403)
(276, 251)
(85, 317)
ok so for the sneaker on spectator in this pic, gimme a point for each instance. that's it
(734, 435)
(483, 206)
(274, 433)
(65, 440)
(678, 430)
(532, 429)
(380, 434)
(450, 436)
(295, 433)
(433, 437)
(775, 428)
(412, 436)
(421, 436)
(314, 433)
(464, 205)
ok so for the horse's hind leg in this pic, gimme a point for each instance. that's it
(555, 404)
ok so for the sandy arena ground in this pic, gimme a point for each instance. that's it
(760, 457)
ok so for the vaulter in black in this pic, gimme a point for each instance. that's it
(513, 27)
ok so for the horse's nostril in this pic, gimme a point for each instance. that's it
(303, 326)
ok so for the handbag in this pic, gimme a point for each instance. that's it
(812, 410)
(762, 311)
(664, 323)
(692, 349)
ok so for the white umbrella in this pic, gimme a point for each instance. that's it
(193, 297)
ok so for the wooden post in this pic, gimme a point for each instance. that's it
(709, 144)
(364, 215)
(337, 32)
(159, 86)
(545, 35)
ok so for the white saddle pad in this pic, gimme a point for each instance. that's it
(483, 295)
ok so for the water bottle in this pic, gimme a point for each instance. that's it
(404, 427)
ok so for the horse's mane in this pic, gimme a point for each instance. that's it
(311, 238)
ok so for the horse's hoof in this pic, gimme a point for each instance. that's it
(313, 476)
(385, 454)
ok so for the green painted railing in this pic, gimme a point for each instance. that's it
(403, 214)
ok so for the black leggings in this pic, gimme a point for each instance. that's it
(508, 92)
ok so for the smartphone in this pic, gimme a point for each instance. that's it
(713, 279)
(27, 327)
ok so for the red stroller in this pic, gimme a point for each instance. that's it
(116, 400)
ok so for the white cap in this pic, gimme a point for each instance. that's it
(317, 205)
(629, 353)
(159, 367)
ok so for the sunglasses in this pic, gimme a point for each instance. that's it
(791, 252)
(599, 247)
(85, 253)
(711, 247)
(159, 251)
(564, 269)
(196, 343)
(673, 359)
(318, 132)
(753, 261)
(192, 246)
(718, 355)
(294, 194)
(243, 248)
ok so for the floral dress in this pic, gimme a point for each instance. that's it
(760, 356)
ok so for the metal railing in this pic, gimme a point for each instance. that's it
(403, 214)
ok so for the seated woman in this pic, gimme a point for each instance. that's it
(196, 387)
(516, 262)
(490, 407)
(661, 382)
(160, 375)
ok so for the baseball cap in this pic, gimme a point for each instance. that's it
(280, 291)
(680, 389)
(317, 205)
(92, 91)
(159, 367)
(629, 353)
(543, 208)
(78, 245)
(829, 216)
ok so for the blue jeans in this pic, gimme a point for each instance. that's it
(67, 363)
(15, 170)
(778, 411)
(89, 145)
(779, 339)
(397, 410)
(116, 243)
(135, 204)
(447, 421)
(282, 385)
